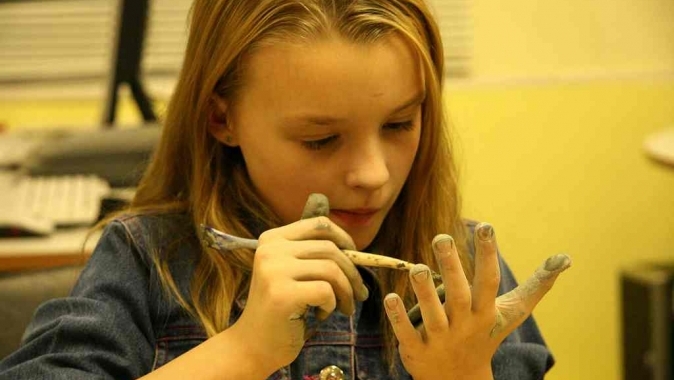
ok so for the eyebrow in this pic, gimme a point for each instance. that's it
(329, 120)
(417, 99)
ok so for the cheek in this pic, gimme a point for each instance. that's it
(283, 181)
(406, 154)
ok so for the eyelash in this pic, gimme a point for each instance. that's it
(396, 127)
(400, 126)
(318, 144)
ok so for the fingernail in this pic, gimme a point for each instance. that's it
(420, 273)
(443, 243)
(485, 231)
(391, 301)
(557, 263)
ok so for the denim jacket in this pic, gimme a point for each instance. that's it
(120, 323)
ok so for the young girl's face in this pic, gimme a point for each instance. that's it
(331, 117)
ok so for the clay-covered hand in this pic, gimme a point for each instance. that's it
(296, 267)
(458, 339)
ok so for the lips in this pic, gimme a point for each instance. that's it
(354, 217)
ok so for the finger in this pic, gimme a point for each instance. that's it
(316, 210)
(432, 312)
(457, 296)
(313, 294)
(317, 205)
(323, 249)
(402, 327)
(414, 313)
(515, 306)
(318, 228)
(327, 270)
(487, 273)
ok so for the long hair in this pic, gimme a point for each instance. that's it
(192, 173)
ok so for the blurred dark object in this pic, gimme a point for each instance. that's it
(117, 155)
(128, 55)
(116, 200)
(648, 321)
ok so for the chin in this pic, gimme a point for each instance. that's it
(364, 241)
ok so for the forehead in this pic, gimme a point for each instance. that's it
(333, 75)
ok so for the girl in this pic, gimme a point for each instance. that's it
(279, 99)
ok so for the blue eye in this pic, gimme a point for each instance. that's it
(319, 144)
(400, 126)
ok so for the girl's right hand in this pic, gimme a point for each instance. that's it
(296, 267)
(459, 338)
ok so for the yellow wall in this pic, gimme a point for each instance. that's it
(534, 38)
(549, 137)
(551, 134)
(560, 168)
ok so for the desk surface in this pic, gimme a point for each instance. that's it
(65, 247)
(660, 146)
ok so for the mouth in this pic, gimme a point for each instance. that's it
(354, 217)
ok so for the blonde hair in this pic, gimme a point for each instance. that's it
(193, 173)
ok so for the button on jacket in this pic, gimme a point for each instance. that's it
(119, 323)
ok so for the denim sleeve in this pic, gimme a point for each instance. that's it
(102, 331)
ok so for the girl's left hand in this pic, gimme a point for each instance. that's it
(459, 338)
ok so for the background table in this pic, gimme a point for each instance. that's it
(65, 247)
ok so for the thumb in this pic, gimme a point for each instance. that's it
(515, 306)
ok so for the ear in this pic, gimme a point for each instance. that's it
(218, 124)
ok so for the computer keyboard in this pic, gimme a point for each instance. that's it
(38, 205)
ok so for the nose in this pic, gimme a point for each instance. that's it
(368, 166)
